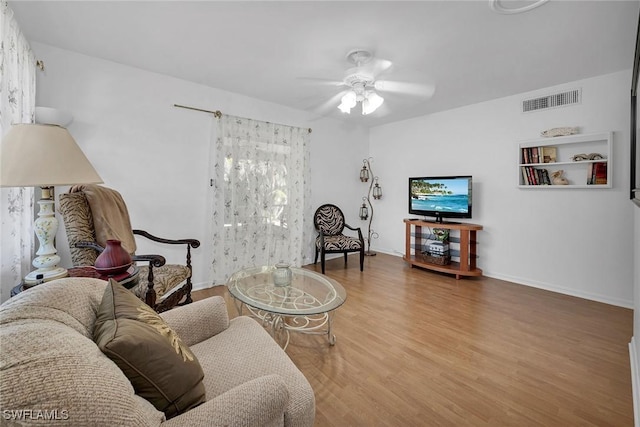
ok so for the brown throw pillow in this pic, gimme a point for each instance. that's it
(160, 367)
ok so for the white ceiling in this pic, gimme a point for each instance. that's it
(273, 50)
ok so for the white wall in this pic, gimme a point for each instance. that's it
(156, 155)
(572, 241)
(634, 346)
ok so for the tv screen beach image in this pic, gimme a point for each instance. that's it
(441, 195)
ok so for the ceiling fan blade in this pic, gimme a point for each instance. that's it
(376, 66)
(321, 82)
(415, 89)
(383, 110)
(332, 103)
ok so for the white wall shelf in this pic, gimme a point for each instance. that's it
(533, 169)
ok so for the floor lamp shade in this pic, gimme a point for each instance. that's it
(38, 155)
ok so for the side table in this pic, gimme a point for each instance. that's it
(16, 290)
(128, 279)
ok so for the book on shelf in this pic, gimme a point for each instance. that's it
(598, 174)
(532, 178)
(525, 176)
(534, 155)
(531, 155)
(535, 176)
(545, 177)
(549, 154)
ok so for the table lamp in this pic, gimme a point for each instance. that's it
(42, 155)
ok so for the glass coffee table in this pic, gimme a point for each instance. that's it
(306, 305)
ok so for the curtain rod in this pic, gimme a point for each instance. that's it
(216, 113)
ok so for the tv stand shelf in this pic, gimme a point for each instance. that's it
(468, 243)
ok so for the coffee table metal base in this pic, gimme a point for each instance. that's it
(280, 325)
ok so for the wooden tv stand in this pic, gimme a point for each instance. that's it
(468, 242)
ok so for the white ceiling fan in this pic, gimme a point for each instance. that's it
(362, 85)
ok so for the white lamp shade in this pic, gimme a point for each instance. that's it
(344, 108)
(372, 103)
(348, 101)
(37, 155)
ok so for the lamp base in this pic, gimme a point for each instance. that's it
(48, 274)
(370, 253)
(46, 226)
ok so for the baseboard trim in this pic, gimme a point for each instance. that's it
(203, 285)
(635, 381)
(512, 279)
(546, 286)
(561, 290)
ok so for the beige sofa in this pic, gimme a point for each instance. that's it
(50, 369)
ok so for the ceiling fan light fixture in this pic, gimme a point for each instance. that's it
(371, 103)
(345, 109)
(365, 107)
(348, 101)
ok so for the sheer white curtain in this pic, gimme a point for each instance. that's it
(261, 212)
(17, 105)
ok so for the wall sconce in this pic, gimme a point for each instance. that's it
(364, 172)
(364, 211)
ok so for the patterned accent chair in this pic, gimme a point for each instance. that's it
(329, 222)
(162, 286)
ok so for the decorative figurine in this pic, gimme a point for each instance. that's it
(558, 179)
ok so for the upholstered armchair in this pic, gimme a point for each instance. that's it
(330, 224)
(93, 214)
(51, 362)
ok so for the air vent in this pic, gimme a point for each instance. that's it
(552, 101)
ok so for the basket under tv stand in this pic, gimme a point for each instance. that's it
(467, 240)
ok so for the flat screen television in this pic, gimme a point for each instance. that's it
(441, 196)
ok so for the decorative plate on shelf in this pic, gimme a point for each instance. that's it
(564, 131)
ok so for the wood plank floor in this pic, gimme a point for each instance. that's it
(416, 348)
